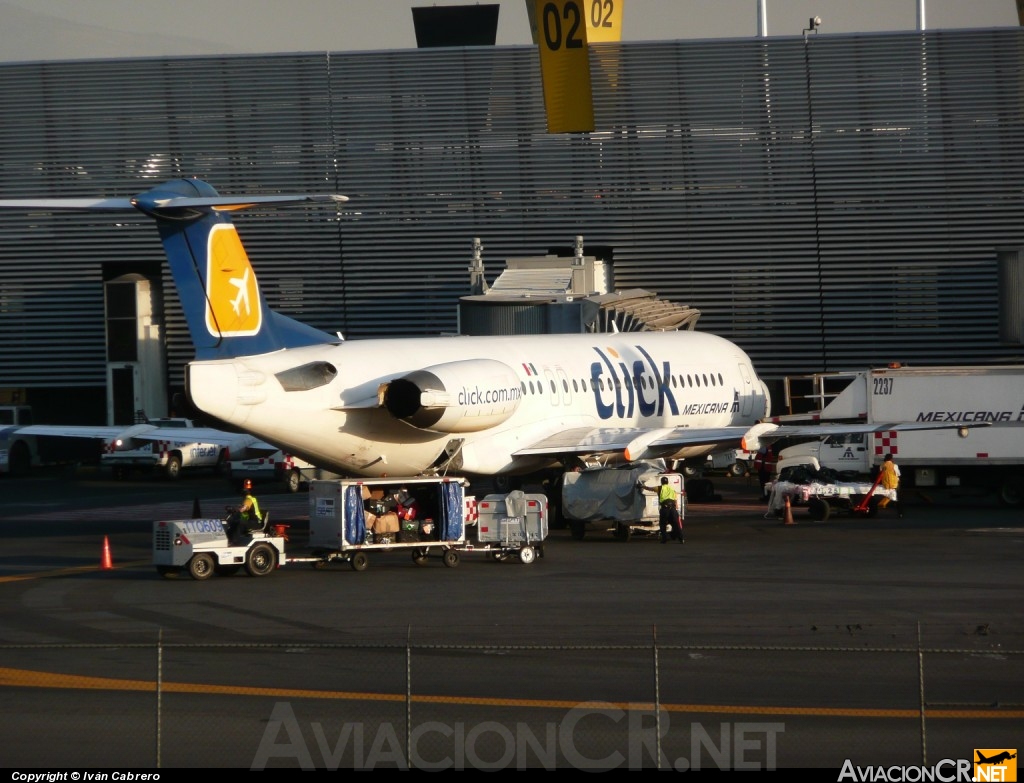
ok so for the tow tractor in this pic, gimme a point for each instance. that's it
(822, 499)
(202, 548)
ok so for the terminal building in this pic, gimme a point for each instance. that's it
(828, 202)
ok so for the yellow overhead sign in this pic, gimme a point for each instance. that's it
(562, 30)
(604, 20)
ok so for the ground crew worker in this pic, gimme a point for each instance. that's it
(668, 510)
(764, 464)
(890, 473)
(247, 516)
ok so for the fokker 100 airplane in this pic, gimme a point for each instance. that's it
(460, 405)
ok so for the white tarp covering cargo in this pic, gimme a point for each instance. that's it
(612, 494)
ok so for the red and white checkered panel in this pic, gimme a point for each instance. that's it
(885, 443)
(472, 512)
(161, 447)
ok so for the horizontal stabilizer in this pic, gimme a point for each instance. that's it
(157, 201)
(74, 204)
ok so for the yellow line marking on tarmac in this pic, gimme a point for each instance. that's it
(24, 678)
(66, 572)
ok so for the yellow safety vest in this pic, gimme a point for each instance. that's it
(255, 510)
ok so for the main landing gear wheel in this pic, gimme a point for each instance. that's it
(527, 555)
(200, 567)
(451, 558)
(261, 561)
(359, 561)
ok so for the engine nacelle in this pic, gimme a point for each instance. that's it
(464, 396)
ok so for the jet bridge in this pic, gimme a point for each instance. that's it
(562, 295)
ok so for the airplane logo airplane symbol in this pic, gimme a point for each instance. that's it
(997, 759)
(998, 765)
(242, 284)
(233, 297)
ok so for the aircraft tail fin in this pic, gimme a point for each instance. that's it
(226, 313)
(225, 310)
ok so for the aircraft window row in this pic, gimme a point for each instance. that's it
(680, 381)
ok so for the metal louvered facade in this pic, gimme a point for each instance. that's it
(829, 203)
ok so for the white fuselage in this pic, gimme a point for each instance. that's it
(549, 384)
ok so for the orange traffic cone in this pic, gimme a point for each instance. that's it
(788, 519)
(106, 564)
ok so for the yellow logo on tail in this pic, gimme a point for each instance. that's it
(233, 298)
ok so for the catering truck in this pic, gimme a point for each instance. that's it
(986, 453)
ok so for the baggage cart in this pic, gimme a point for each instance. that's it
(512, 525)
(351, 518)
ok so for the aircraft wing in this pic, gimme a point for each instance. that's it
(196, 435)
(169, 434)
(258, 448)
(72, 431)
(638, 443)
(771, 432)
(593, 440)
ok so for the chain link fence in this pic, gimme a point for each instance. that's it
(437, 706)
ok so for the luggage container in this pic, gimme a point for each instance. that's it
(509, 525)
(350, 518)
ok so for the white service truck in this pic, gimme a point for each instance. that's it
(170, 455)
(982, 457)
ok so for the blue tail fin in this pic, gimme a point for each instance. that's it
(226, 313)
(223, 306)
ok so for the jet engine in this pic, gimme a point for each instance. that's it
(463, 396)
